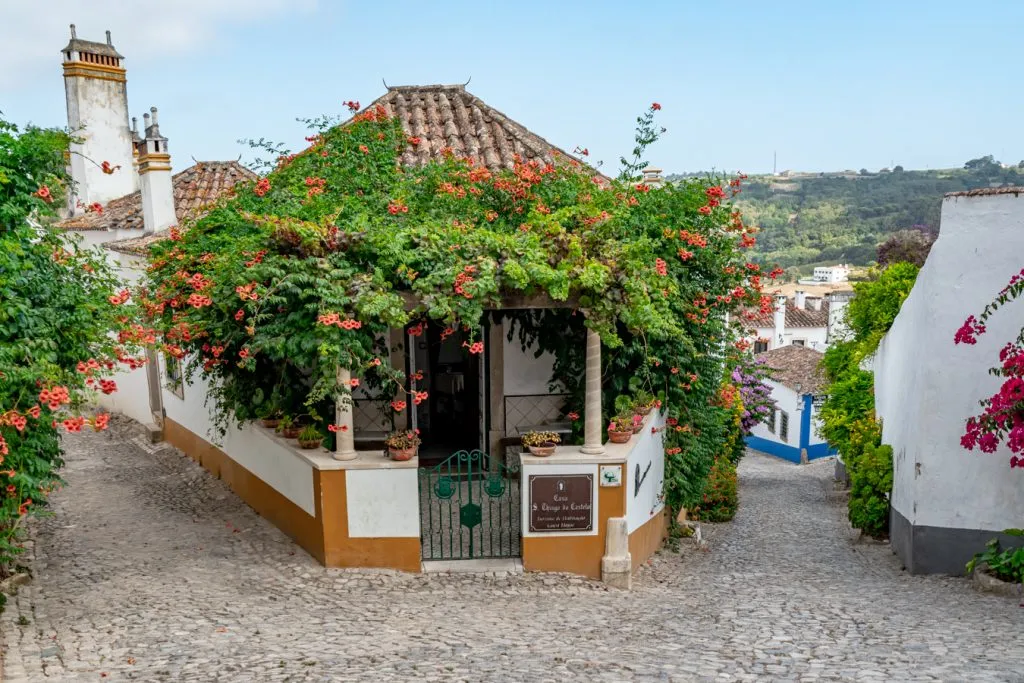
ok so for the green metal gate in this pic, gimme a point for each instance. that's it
(470, 508)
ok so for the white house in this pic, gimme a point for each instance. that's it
(352, 506)
(948, 502)
(809, 321)
(827, 275)
(791, 432)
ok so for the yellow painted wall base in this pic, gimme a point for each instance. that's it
(325, 535)
(576, 554)
(646, 540)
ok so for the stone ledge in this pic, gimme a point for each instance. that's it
(322, 459)
(986, 582)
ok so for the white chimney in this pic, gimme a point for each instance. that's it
(154, 162)
(837, 303)
(780, 322)
(801, 299)
(653, 177)
(814, 302)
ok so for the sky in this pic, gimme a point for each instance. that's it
(822, 84)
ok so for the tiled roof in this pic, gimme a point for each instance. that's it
(194, 188)
(794, 365)
(446, 116)
(795, 317)
(984, 191)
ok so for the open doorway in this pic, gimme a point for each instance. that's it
(450, 420)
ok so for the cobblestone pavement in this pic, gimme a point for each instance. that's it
(152, 570)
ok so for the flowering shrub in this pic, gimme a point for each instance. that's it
(59, 304)
(1002, 418)
(719, 499)
(295, 283)
(756, 396)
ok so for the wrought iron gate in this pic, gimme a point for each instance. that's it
(470, 508)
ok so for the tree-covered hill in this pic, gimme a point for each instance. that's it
(825, 218)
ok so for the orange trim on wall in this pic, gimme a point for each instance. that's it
(340, 550)
(576, 554)
(646, 540)
(260, 496)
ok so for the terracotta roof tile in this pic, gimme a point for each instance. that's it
(447, 116)
(794, 365)
(795, 317)
(985, 191)
(194, 188)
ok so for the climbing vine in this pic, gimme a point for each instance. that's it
(65, 324)
(309, 267)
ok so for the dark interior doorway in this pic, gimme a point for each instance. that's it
(449, 420)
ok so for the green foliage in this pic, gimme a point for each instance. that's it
(1005, 565)
(822, 219)
(848, 415)
(311, 267)
(719, 499)
(56, 320)
(870, 486)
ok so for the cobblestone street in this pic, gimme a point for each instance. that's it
(152, 570)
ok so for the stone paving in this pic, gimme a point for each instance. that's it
(151, 570)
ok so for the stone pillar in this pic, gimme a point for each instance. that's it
(617, 564)
(345, 446)
(592, 406)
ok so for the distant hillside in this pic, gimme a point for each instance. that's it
(823, 218)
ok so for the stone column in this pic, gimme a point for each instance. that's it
(345, 446)
(617, 564)
(592, 406)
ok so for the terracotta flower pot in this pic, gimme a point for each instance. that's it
(402, 454)
(542, 451)
(637, 426)
(310, 444)
(291, 432)
(620, 437)
(271, 423)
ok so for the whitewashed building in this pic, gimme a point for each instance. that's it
(828, 275)
(792, 431)
(352, 506)
(947, 502)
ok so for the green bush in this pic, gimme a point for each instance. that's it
(719, 500)
(870, 485)
(1005, 565)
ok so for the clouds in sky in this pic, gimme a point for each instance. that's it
(31, 35)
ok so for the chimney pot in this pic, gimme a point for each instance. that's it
(74, 33)
(108, 39)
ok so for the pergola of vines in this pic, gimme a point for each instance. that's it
(307, 269)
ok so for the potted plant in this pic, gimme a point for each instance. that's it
(271, 419)
(541, 444)
(620, 430)
(638, 423)
(289, 427)
(402, 445)
(642, 403)
(310, 437)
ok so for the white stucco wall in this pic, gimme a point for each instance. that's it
(926, 387)
(132, 395)
(786, 400)
(383, 503)
(523, 373)
(646, 464)
(814, 337)
(275, 464)
(98, 116)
